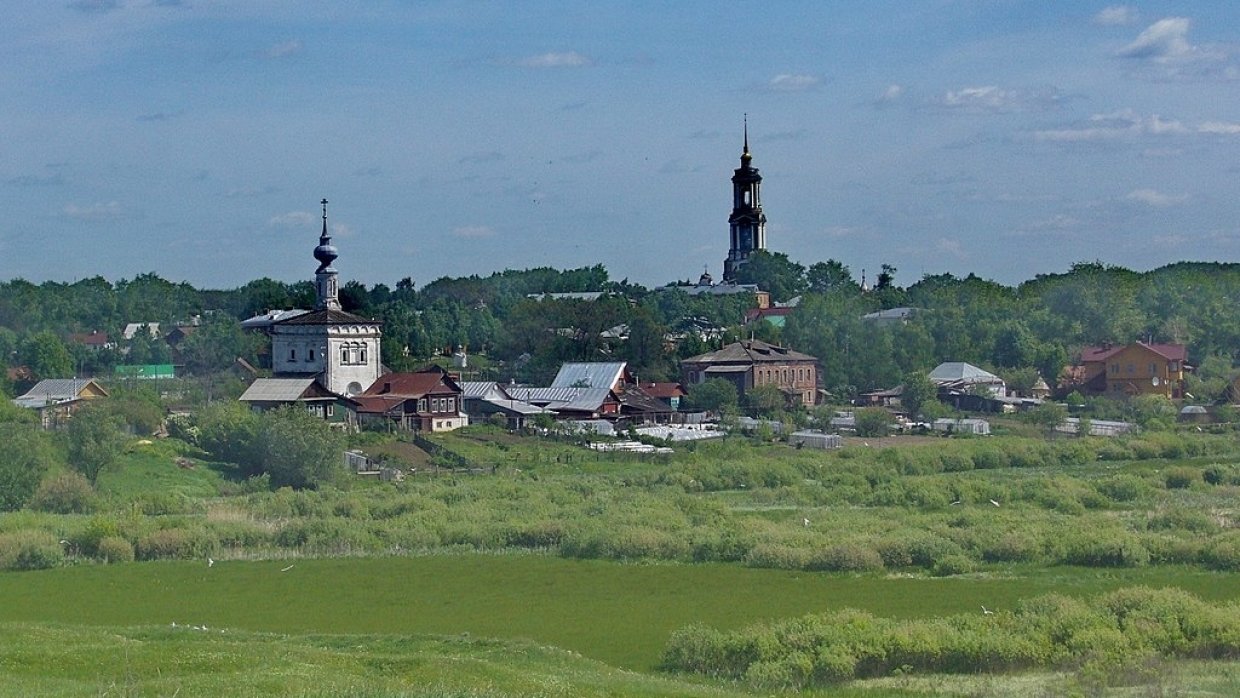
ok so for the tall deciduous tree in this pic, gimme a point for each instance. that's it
(24, 461)
(299, 449)
(95, 440)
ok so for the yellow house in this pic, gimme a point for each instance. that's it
(1135, 369)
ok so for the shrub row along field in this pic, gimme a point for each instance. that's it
(1121, 628)
(859, 510)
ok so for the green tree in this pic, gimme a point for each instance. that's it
(766, 400)
(216, 345)
(95, 440)
(918, 391)
(47, 356)
(298, 449)
(829, 276)
(229, 432)
(773, 272)
(714, 395)
(872, 421)
(1211, 380)
(24, 461)
(1048, 416)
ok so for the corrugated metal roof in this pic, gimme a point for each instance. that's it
(577, 399)
(259, 321)
(961, 371)
(589, 374)
(276, 389)
(327, 316)
(51, 390)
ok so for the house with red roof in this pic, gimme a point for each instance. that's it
(426, 400)
(1128, 370)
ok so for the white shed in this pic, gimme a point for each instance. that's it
(815, 439)
(979, 427)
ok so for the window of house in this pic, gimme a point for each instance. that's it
(1114, 369)
(422, 405)
(331, 410)
(361, 356)
(310, 357)
(1153, 369)
(1132, 368)
(452, 404)
(292, 354)
(344, 355)
(1173, 366)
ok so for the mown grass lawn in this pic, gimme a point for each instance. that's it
(620, 614)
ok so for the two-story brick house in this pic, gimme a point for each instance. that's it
(752, 363)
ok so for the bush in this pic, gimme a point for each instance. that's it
(846, 557)
(1124, 488)
(30, 550)
(114, 549)
(950, 565)
(1182, 478)
(872, 421)
(175, 544)
(66, 493)
(1105, 549)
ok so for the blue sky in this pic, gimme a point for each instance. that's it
(1005, 138)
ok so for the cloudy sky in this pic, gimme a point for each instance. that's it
(194, 138)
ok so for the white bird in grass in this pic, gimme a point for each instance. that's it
(994, 502)
(955, 502)
(987, 611)
(210, 562)
(286, 569)
(806, 521)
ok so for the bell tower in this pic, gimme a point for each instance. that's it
(747, 224)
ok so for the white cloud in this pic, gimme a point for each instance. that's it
(568, 59)
(280, 50)
(787, 82)
(292, 219)
(996, 99)
(1115, 125)
(94, 212)
(1116, 15)
(1163, 40)
(473, 232)
(892, 93)
(1157, 199)
(1219, 127)
(342, 230)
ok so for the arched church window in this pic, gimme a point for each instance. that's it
(344, 354)
(362, 354)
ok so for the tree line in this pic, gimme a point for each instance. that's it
(1021, 332)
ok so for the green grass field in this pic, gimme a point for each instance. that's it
(620, 614)
(566, 572)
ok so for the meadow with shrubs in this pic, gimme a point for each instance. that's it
(1081, 545)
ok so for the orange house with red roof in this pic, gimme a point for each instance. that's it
(1133, 369)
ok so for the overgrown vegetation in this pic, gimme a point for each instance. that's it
(1111, 634)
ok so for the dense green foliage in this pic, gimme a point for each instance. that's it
(1021, 332)
(1120, 628)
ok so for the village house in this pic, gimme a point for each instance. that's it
(56, 399)
(270, 393)
(426, 400)
(1129, 370)
(754, 363)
